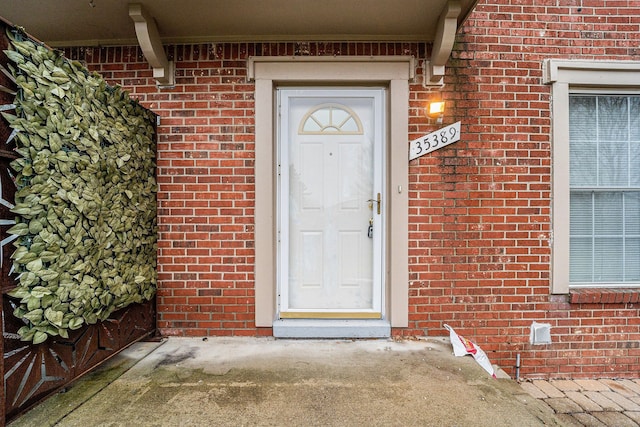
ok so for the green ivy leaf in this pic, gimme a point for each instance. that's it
(53, 316)
(20, 229)
(58, 91)
(34, 316)
(33, 304)
(40, 291)
(39, 337)
(48, 275)
(19, 292)
(14, 56)
(35, 265)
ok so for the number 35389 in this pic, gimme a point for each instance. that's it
(431, 142)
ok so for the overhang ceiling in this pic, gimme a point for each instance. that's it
(107, 22)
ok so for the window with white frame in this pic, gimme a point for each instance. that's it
(604, 150)
(595, 140)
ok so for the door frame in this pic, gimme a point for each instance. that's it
(283, 129)
(392, 72)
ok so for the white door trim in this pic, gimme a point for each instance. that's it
(395, 75)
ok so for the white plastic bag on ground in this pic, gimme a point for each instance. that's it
(462, 347)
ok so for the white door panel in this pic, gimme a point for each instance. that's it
(331, 165)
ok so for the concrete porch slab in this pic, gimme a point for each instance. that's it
(266, 381)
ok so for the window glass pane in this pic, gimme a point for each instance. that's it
(604, 225)
(632, 259)
(634, 117)
(338, 117)
(581, 218)
(583, 144)
(612, 118)
(634, 164)
(322, 116)
(607, 266)
(584, 162)
(350, 126)
(632, 214)
(582, 111)
(613, 160)
(581, 259)
(607, 214)
(311, 125)
(613, 153)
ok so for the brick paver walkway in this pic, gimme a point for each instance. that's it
(590, 403)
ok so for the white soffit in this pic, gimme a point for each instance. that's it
(154, 23)
(107, 22)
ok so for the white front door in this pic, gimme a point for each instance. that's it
(331, 203)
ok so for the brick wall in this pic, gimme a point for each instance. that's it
(480, 216)
(480, 211)
(206, 175)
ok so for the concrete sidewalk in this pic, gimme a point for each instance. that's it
(268, 382)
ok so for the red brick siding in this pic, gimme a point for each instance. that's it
(480, 219)
(480, 209)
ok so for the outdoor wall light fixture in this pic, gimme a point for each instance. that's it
(435, 111)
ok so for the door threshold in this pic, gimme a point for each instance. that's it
(331, 328)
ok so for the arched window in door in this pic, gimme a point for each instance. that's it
(330, 119)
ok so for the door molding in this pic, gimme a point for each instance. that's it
(386, 67)
(395, 75)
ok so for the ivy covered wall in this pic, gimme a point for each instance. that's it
(86, 194)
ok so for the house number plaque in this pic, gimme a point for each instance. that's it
(435, 140)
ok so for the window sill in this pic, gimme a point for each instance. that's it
(604, 296)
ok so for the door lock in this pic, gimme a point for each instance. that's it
(378, 200)
(370, 230)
